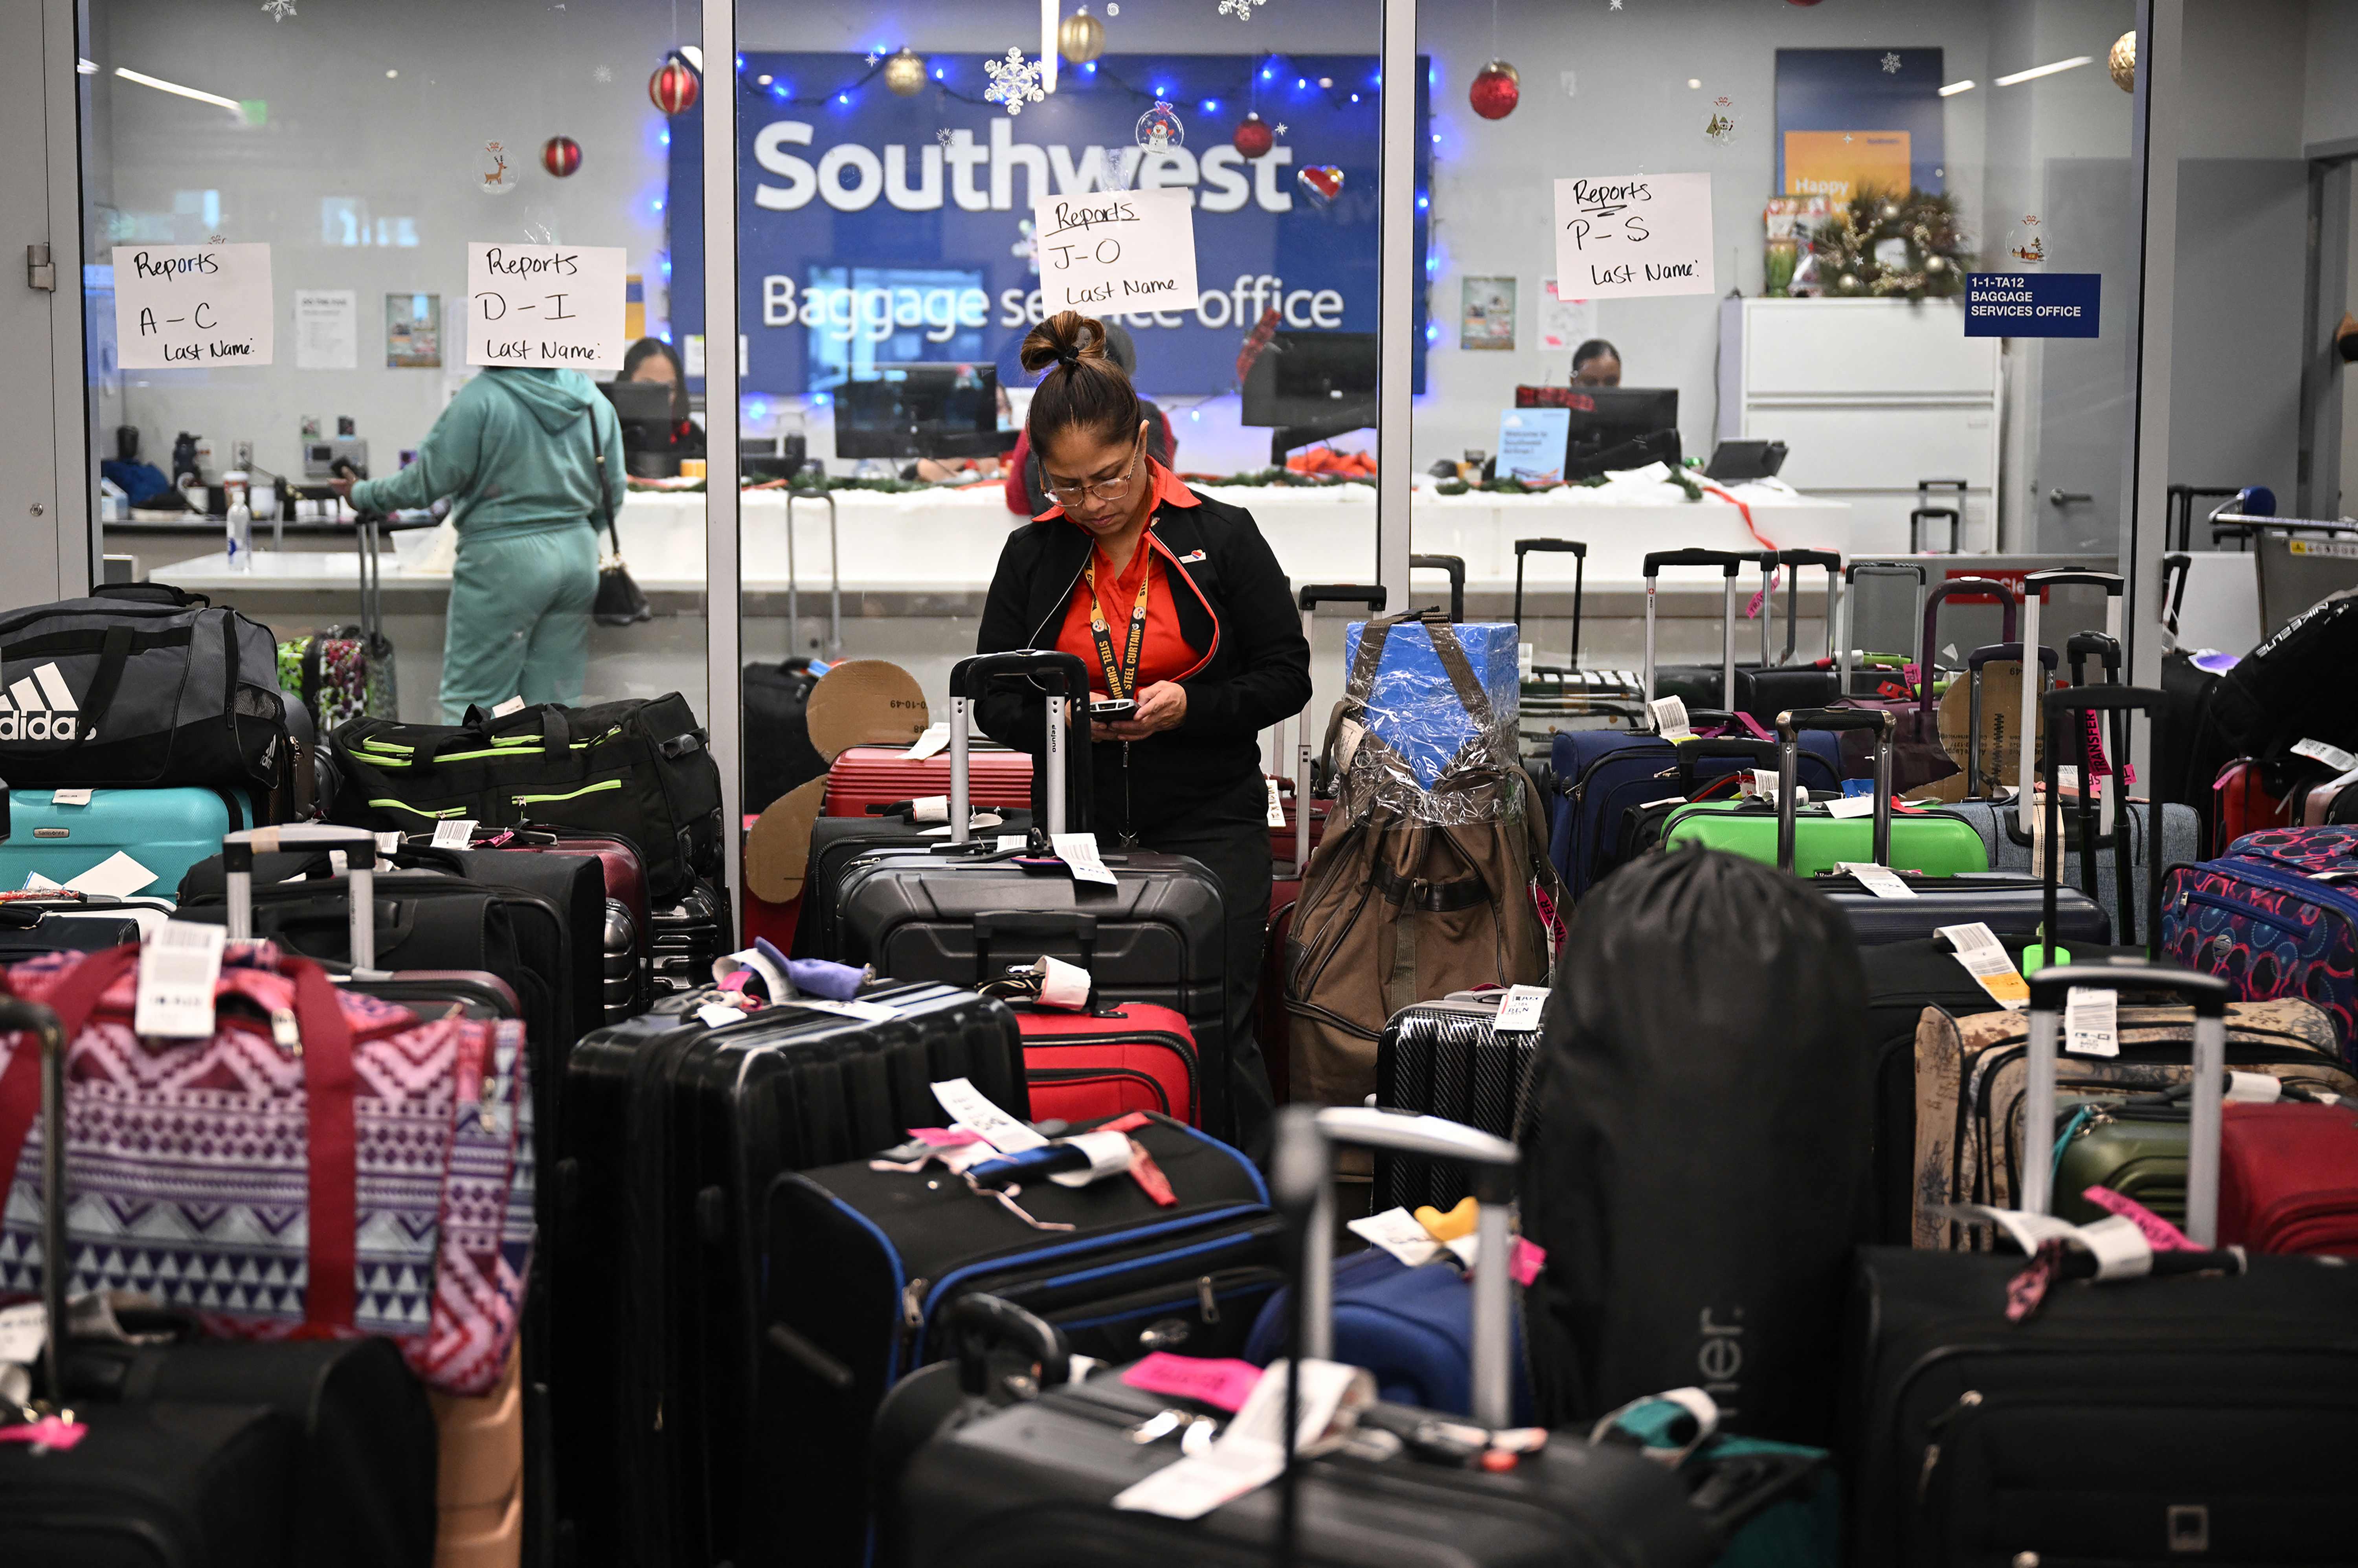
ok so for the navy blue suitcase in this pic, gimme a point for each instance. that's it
(1602, 774)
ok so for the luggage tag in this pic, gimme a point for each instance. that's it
(1520, 1012)
(2333, 757)
(1276, 805)
(1061, 985)
(2092, 1021)
(1079, 853)
(936, 736)
(1250, 1453)
(1984, 958)
(454, 833)
(117, 876)
(1853, 804)
(81, 796)
(177, 969)
(513, 705)
(1881, 880)
(970, 1109)
(1671, 721)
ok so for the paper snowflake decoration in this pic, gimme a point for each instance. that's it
(1890, 65)
(1014, 82)
(945, 137)
(1615, 6)
(872, 57)
(1280, 127)
(603, 74)
(1243, 10)
(1113, 8)
(279, 9)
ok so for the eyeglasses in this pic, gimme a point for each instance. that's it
(1101, 490)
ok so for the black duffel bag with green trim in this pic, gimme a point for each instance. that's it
(640, 770)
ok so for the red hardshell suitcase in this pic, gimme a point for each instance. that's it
(863, 776)
(2288, 1178)
(2240, 803)
(1093, 1065)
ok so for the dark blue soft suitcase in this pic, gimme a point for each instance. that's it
(164, 831)
(1603, 774)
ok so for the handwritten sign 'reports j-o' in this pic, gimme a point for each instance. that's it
(192, 307)
(1116, 251)
(1629, 235)
(551, 306)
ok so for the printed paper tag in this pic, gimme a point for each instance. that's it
(936, 736)
(1276, 805)
(1009, 842)
(1519, 1013)
(23, 1330)
(1109, 1155)
(969, 1107)
(1396, 1232)
(1061, 984)
(1764, 785)
(2121, 1249)
(177, 971)
(117, 876)
(713, 1015)
(454, 833)
(2024, 1229)
(81, 796)
(1881, 880)
(1348, 741)
(2333, 757)
(1984, 958)
(1079, 853)
(387, 844)
(865, 1011)
(513, 705)
(1852, 806)
(930, 808)
(2091, 1021)
(1250, 1453)
(1670, 718)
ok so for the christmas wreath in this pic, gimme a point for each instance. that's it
(1882, 246)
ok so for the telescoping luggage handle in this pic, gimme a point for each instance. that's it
(1790, 726)
(1455, 567)
(1578, 551)
(1312, 596)
(2008, 622)
(2034, 595)
(1059, 674)
(238, 850)
(1849, 649)
(1975, 660)
(835, 577)
(30, 1018)
(1792, 560)
(2050, 990)
(1302, 1162)
(2062, 710)
(1727, 561)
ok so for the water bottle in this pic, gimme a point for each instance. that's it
(240, 530)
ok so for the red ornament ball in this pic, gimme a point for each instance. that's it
(1497, 90)
(560, 156)
(1253, 136)
(674, 88)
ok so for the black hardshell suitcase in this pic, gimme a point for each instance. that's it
(2154, 1420)
(1446, 1058)
(1034, 1483)
(956, 916)
(838, 843)
(870, 1263)
(669, 1410)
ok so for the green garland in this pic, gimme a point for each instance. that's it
(1938, 257)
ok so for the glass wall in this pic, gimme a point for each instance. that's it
(281, 203)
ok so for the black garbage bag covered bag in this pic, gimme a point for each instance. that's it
(1697, 1147)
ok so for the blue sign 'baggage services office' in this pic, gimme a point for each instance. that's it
(877, 228)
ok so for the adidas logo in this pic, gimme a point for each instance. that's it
(39, 707)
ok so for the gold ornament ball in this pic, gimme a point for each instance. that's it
(2121, 62)
(1934, 264)
(1080, 38)
(904, 73)
(1850, 283)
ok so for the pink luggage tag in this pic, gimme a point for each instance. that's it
(47, 1435)
(1224, 1382)
(2159, 1234)
(1529, 1261)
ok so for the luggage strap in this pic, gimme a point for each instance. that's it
(329, 1083)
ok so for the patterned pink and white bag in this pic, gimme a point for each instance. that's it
(318, 1135)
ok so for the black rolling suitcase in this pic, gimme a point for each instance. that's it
(671, 1407)
(838, 843)
(2201, 1418)
(1446, 1058)
(1035, 1483)
(1155, 937)
(872, 1264)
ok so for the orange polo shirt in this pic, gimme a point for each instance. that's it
(1163, 653)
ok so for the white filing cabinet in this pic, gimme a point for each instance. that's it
(1870, 396)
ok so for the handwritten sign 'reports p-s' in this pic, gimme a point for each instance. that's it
(1116, 251)
(551, 306)
(1624, 235)
(188, 307)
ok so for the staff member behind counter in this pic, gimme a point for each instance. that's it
(517, 450)
(1596, 363)
(651, 359)
(1174, 599)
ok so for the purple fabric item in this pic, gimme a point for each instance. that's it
(815, 976)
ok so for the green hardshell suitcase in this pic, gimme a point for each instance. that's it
(1937, 843)
(2137, 1150)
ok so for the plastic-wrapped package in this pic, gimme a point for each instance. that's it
(1430, 731)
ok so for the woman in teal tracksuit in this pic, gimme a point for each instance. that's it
(517, 452)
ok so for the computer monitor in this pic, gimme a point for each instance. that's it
(921, 410)
(1308, 386)
(1612, 426)
(646, 403)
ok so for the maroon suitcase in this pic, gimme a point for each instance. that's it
(2288, 1178)
(864, 776)
(626, 944)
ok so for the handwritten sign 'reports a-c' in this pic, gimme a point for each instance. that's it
(191, 306)
(1117, 252)
(1617, 236)
(549, 306)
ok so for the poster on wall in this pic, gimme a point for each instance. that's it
(1487, 319)
(1532, 444)
(558, 307)
(1565, 324)
(1840, 166)
(1620, 236)
(327, 329)
(1854, 120)
(192, 307)
(413, 331)
(875, 229)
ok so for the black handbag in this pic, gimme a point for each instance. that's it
(621, 601)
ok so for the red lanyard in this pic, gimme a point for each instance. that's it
(1121, 675)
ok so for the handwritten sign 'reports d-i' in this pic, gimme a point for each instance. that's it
(1617, 236)
(552, 306)
(1117, 252)
(187, 306)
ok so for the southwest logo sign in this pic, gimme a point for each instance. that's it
(39, 707)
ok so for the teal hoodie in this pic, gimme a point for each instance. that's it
(513, 451)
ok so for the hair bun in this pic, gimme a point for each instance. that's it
(1066, 339)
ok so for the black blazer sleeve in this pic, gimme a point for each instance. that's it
(1272, 678)
(1008, 714)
